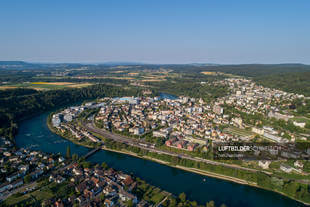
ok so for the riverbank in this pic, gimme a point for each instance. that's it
(202, 172)
(52, 129)
(193, 170)
(126, 152)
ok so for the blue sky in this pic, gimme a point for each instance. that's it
(156, 31)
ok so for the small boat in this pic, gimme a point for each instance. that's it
(204, 180)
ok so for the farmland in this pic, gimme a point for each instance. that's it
(46, 85)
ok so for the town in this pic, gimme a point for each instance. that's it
(189, 124)
(25, 172)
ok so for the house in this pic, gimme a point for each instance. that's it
(108, 202)
(60, 179)
(125, 196)
(23, 168)
(51, 178)
(258, 130)
(138, 131)
(237, 121)
(273, 137)
(264, 164)
(59, 203)
(128, 181)
(180, 144)
(159, 134)
(278, 116)
(218, 109)
(61, 159)
(190, 147)
(5, 186)
(299, 124)
(109, 191)
(36, 174)
(286, 168)
(68, 117)
(298, 164)
(77, 171)
(12, 177)
(168, 143)
(17, 183)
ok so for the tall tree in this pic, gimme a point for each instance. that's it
(182, 197)
(68, 153)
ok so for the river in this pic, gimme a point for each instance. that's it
(34, 134)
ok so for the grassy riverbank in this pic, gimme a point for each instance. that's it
(202, 172)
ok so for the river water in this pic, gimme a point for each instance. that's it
(34, 134)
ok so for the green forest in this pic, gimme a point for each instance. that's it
(291, 82)
(19, 104)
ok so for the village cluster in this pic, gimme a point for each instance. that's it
(96, 186)
(91, 184)
(246, 96)
(61, 121)
(15, 165)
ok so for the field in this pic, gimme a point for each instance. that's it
(46, 85)
(239, 132)
(209, 73)
(7, 87)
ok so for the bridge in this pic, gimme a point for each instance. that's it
(92, 152)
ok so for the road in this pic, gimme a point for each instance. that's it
(162, 201)
(21, 189)
(32, 185)
(137, 143)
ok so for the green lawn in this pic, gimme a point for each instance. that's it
(300, 119)
(240, 132)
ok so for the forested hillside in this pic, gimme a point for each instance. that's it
(291, 82)
(19, 104)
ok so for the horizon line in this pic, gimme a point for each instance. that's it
(149, 63)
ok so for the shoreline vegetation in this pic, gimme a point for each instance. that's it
(188, 169)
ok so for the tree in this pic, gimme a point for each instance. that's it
(27, 179)
(75, 157)
(172, 202)
(182, 197)
(104, 165)
(194, 203)
(130, 203)
(86, 164)
(68, 153)
(210, 204)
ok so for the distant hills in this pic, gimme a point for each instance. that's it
(13, 63)
(238, 69)
(29, 65)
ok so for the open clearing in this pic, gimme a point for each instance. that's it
(208, 73)
(52, 83)
(7, 87)
(46, 85)
(153, 80)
